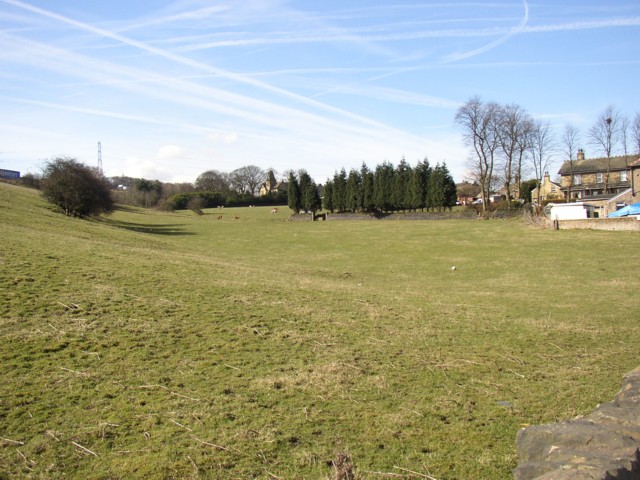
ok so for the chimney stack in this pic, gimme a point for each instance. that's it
(580, 154)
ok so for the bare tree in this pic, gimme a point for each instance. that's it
(624, 134)
(287, 173)
(542, 146)
(605, 135)
(478, 122)
(245, 180)
(513, 133)
(523, 143)
(635, 132)
(214, 181)
(569, 143)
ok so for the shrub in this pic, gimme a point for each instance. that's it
(79, 190)
(211, 199)
(508, 206)
(196, 204)
(166, 205)
(30, 180)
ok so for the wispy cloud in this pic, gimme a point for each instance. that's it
(105, 113)
(190, 15)
(490, 46)
(584, 25)
(280, 80)
(193, 63)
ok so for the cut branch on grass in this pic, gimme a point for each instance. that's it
(91, 353)
(85, 449)
(103, 426)
(27, 462)
(422, 475)
(54, 328)
(514, 360)
(181, 425)
(195, 467)
(209, 444)
(13, 442)
(185, 396)
(82, 374)
(515, 373)
(412, 411)
(384, 474)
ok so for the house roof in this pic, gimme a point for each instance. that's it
(467, 189)
(593, 165)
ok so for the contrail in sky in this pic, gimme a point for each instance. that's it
(449, 59)
(514, 31)
(198, 65)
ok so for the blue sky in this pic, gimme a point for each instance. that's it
(172, 88)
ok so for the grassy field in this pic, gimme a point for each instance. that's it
(169, 345)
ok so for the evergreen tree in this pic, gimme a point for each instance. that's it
(418, 187)
(294, 199)
(339, 190)
(449, 186)
(353, 191)
(383, 182)
(367, 203)
(441, 191)
(309, 193)
(401, 191)
(327, 196)
(435, 189)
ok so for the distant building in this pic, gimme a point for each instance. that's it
(635, 181)
(548, 190)
(605, 183)
(592, 177)
(272, 186)
(467, 192)
(9, 174)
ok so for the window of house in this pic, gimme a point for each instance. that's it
(599, 177)
(577, 179)
(623, 176)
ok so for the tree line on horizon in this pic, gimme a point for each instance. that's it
(387, 188)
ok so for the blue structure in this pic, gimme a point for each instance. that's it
(633, 209)
(9, 174)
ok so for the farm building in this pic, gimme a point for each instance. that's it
(9, 174)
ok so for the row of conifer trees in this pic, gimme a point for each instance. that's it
(385, 189)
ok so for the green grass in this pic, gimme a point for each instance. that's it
(180, 346)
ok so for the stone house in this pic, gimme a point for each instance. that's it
(548, 190)
(635, 181)
(587, 178)
(606, 183)
(271, 185)
(514, 191)
(467, 192)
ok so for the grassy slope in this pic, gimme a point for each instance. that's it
(177, 346)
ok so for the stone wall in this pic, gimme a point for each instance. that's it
(624, 223)
(604, 445)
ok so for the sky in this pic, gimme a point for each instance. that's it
(173, 88)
